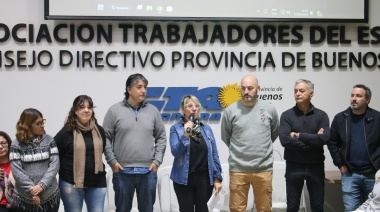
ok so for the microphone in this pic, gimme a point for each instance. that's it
(191, 118)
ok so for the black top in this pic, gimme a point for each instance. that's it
(64, 140)
(308, 148)
(198, 156)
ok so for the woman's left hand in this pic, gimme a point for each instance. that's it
(217, 185)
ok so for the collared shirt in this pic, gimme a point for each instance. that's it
(135, 170)
(135, 110)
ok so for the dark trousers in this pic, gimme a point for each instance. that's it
(314, 175)
(194, 196)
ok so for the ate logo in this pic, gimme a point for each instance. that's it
(168, 101)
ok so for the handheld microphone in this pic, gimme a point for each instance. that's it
(191, 118)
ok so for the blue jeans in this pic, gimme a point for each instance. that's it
(73, 198)
(125, 185)
(296, 175)
(355, 189)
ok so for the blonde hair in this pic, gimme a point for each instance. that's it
(192, 97)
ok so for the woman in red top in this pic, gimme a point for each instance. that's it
(5, 172)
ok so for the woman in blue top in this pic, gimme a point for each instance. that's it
(196, 167)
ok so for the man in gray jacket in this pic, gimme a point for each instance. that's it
(135, 147)
(249, 128)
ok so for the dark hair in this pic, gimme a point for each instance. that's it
(132, 79)
(368, 92)
(7, 138)
(28, 116)
(72, 117)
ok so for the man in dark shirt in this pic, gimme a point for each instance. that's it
(355, 147)
(304, 130)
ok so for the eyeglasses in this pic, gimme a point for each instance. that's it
(196, 106)
(4, 144)
(40, 123)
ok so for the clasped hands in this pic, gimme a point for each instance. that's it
(34, 192)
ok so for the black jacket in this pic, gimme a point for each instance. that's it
(340, 134)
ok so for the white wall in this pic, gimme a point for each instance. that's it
(52, 89)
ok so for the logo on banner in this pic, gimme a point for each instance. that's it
(213, 100)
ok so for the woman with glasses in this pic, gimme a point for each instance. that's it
(35, 163)
(196, 168)
(81, 142)
(6, 178)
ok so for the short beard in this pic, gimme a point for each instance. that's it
(355, 107)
